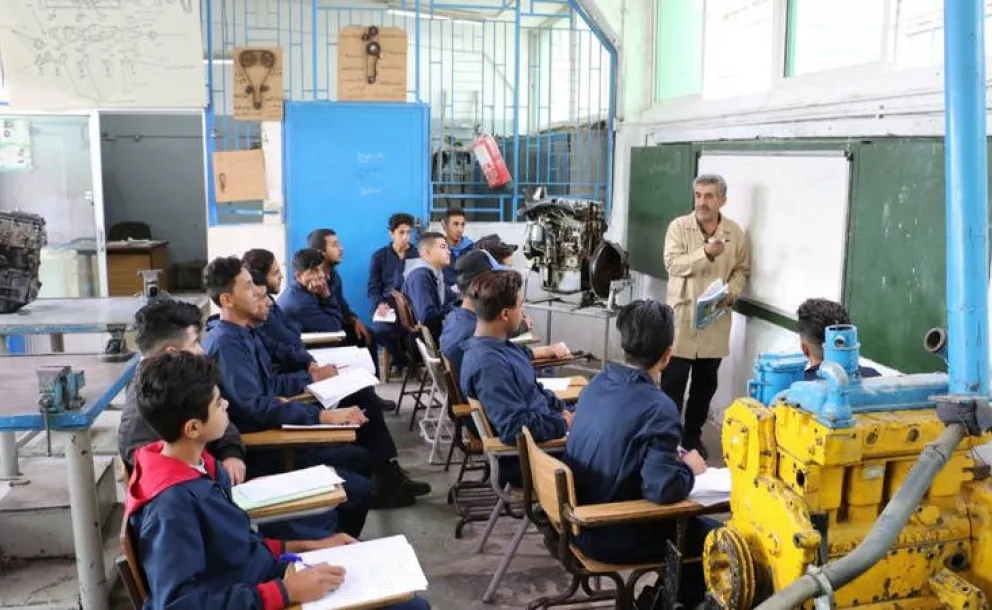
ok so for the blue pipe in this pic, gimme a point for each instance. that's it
(967, 197)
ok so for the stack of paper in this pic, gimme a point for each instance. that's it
(388, 318)
(375, 571)
(711, 487)
(709, 305)
(348, 357)
(523, 339)
(555, 384)
(311, 338)
(330, 392)
(286, 487)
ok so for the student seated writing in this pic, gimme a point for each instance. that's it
(247, 382)
(499, 374)
(195, 546)
(813, 318)
(625, 445)
(459, 325)
(385, 276)
(430, 297)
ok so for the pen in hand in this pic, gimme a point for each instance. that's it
(294, 558)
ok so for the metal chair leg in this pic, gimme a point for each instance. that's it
(490, 525)
(511, 550)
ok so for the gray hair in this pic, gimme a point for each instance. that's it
(717, 179)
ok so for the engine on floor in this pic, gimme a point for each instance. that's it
(565, 244)
(813, 469)
(22, 236)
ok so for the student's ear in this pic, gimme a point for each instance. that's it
(226, 299)
(192, 429)
(667, 357)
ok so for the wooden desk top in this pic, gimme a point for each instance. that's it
(326, 500)
(296, 438)
(494, 445)
(135, 246)
(592, 515)
(575, 386)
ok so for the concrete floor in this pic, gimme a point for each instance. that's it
(457, 575)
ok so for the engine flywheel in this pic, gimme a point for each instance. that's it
(729, 569)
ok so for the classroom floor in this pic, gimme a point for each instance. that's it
(458, 576)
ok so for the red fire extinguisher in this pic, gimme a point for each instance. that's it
(491, 160)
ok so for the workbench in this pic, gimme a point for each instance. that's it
(602, 314)
(19, 412)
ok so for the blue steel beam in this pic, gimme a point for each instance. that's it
(967, 197)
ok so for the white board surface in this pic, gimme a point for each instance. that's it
(86, 54)
(794, 209)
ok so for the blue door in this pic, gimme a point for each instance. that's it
(348, 166)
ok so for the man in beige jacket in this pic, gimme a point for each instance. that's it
(699, 248)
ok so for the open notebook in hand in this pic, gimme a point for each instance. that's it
(375, 571)
(330, 392)
(388, 318)
(286, 487)
(347, 357)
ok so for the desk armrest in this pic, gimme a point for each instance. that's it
(496, 446)
(614, 513)
(461, 410)
(296, 438)
(327, 500)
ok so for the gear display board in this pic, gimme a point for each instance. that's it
(258, 92)
(372, 64)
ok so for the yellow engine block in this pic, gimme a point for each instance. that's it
(806, 494)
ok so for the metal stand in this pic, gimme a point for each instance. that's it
(591, 312)
(86, 534)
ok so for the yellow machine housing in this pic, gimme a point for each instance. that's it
(805, 494)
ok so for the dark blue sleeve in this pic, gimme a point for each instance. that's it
(867, 371)
(421, 288)
(309, 316)
(346, 312)
(378, 290)
(289, 357)
(665, 479)
(172, 554)
(506, 408)
(242, 387)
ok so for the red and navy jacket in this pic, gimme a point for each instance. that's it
(196, 547)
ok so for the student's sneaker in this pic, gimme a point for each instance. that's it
(386, 493)
(417, 488)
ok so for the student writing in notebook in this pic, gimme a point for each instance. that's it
(249, 383)
(385, 276)
(500, 375)
(459, 325)
(195, 546)
(625, 445)
(431, 299)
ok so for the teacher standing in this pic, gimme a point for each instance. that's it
(700, 248)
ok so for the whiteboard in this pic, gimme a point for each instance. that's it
(86, 54)
(794, 208)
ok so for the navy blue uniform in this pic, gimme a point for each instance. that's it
(623, 445)
(450, 274)
(430, 298)
(195, 546)
(385, 276)
(458, 328)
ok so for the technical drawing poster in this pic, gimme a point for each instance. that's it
(85, 54)
(15, 145)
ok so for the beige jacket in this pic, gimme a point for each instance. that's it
(690, 272)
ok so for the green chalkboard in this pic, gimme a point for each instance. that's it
(660, 190)
(896, 275)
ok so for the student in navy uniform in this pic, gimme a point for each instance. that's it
(424, 285)
(385, 276)
(459, 325)
(499, 374)
(814, 316)
(265, 272)
(453, 226)
(195, 546)
(332, 313)
(500, 251)
(625, 445)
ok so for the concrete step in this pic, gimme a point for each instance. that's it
(34, 514)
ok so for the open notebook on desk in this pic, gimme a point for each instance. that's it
(330, 392)
(523, 339)
(375, 571)
(555, 384)
(311, 338)
(711, 487)
(286, 487)
(347, 357)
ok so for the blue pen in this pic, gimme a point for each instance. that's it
(294, 558)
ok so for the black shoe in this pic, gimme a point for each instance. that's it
(396, 371)
(387, 494)
(403, 480)
(386, 405)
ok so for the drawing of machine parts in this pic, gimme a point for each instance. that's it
(372, 64)
(258, 92)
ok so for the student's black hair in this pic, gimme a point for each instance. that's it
(220, 275)
(307, 259)
(813, 318)
(647, 330)
(470, 266)
(453, 212)
(399, 219)
(174, 388)
(163, 321)
(495, 246)
(493, 292)
(317, 239)
(258, 261)
(428, 239)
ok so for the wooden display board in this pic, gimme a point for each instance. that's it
(258, 92)
(239, 175)
(356, 67)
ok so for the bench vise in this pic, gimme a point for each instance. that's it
(59, 387)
